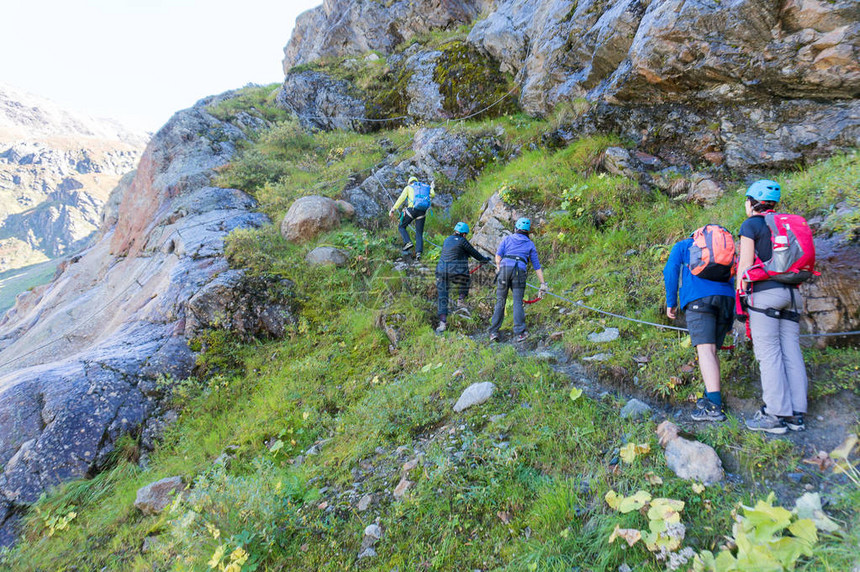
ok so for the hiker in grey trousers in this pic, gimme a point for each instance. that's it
(777, 349)
(774, 315)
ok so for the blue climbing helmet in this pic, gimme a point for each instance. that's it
(764, 190)
(523, 224)
(461, 227)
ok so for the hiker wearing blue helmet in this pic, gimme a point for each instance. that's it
(417, 195)
(773, 322)
(453, 270)
(513, 256)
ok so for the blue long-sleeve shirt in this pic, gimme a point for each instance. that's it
(518, 245)
(692, 287)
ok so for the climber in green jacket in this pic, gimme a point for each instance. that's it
(417, 196)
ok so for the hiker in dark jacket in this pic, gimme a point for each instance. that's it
(512, 259)
(709, 308)
(453, 270)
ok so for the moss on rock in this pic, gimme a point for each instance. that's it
(471, 82)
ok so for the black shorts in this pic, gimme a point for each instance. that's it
(709, 319)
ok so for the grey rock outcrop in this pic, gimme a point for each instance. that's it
(832, 300)
(154, 497)
(496, 221)
(308, 216)
(744, 136)
(670, 50)
(425, 99)
(777, 79)
(457, 156)
(322, 102)
(79, 358)
(344, 27)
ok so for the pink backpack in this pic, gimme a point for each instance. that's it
(793, 259)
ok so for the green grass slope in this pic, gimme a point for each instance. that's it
(282, 439)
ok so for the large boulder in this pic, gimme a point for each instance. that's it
(458, 156)
(309, 216)
(690, 460)
(376, 194)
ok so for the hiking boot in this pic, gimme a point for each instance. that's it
(523, 337)
(494, 337)
(441, 327)
(761, 421)
(707, 410)
(407, 246)
(795, 422)
(417, 256)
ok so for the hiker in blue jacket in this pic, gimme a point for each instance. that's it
(709, 308)
(513, 255)
(417, 196)
(453, 270)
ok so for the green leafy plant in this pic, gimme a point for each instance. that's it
(665, 532)
(55, 519)
(765, 537)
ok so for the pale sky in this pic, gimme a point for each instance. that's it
(139, 61)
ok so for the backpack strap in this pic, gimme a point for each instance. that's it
(778, 314)
(517, 258)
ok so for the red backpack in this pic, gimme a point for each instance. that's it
(793, 259)
(712, 254)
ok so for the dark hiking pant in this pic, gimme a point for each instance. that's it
(409, 215)
(448, 276)
(510, 278)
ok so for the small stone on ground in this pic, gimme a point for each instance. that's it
(607, 335)
(475, 394)
(635, 409)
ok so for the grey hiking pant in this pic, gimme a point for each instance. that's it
(510, 278)
(777, 348)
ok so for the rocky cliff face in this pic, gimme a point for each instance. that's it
(344, 27)
(757, 84)
(57, 169)
(79, 358)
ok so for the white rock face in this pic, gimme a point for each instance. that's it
(80, 356)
